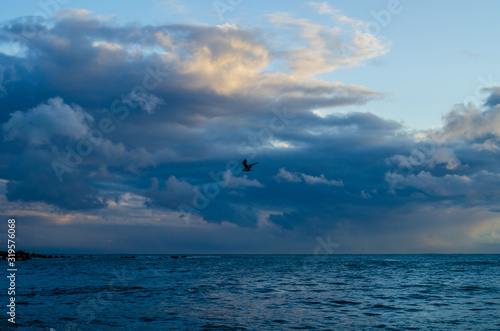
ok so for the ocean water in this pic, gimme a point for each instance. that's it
(258, 292)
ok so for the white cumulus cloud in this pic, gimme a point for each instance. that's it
(296, 177)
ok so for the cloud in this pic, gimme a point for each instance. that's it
(321, 180)
(435, 157)
(83, 54)
(38, 125)
(481, 187)
(147, 102)
(174, 6)
(325, 9)
(74, 14)
(488, 145)
(448, 185)
(295, 177)
(231, 181)
(320, 48)
(494, 98)
(173, 193)
(187, 103)
(33, 181)
(468, 122)
(4, 74)
(288, 176)
(224, 58)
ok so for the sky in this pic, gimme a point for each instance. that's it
(375, 125)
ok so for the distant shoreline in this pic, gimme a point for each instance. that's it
(24, 256)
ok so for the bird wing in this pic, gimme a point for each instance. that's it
(252, 164)
(245, 163)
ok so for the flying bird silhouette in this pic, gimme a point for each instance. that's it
(248, 167)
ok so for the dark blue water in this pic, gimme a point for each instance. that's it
(259, 292)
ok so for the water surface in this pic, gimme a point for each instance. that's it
(259, 292)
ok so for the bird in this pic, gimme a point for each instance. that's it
(248, 167)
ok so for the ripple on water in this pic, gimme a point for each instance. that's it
(265, 293)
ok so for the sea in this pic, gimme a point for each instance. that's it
(256, 292)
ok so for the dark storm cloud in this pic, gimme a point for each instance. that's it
(165, 107)
(172, 193)
(32, 181)
(167, 113)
